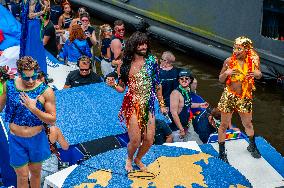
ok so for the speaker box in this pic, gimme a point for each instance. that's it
(100, 145)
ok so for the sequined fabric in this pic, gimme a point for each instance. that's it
(141, 94)
(18, 113)
(250, 64)
(230, 102)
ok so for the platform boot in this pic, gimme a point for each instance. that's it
(222, 152)
(252, 148)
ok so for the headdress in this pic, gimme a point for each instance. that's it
(244, 41)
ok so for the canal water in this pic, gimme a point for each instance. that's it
(268, 104)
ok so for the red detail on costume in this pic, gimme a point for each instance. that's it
(247, 80)
(1, 36)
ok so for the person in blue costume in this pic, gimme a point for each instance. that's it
(31, 42)
(29, 104)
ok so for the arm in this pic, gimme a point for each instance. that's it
(45, 39)
(49, 116)
(115, 47)
(161, 99)
(3, 98)
(60, 22)
(93, 38)
(57, 136)
(119, 87)
(257, 71)
(174, 107)
(108, 53)
(32, 13)
(224, 71)
(67, 82)
(199, 105)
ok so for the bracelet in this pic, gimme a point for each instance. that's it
(162, 103)
(115, 85)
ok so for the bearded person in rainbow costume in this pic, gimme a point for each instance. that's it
(239, 72)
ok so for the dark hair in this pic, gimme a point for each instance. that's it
(216, 113)
(84, 14)
(85, 60)
(132, 43)
(118, 23)
(27, 63)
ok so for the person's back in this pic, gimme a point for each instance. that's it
(163, 133)
(169, 82)
(168, 75)
(55, 12)
(73, 50)
(49, 35)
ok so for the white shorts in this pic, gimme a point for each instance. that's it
(106, 67)
(190, 135)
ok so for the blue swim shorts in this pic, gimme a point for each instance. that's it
(25, 150)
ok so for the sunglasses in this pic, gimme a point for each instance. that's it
(84, 20)
(237, 49)
(184, 78)
(86, 70)
(27, 78)
(108, 30)
(162, 59)
(119, 30)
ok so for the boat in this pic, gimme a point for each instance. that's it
(208, 27)
(98, 147)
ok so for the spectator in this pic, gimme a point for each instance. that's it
(88, 29)
(163, 133)
(64, 24)
(193, 86)
(49, 35)
(84, 75)
(77, 19)
(66, 18)
(117, 46)
(180, 104)
(168, 75)
(75, 47)
(55, 13)
(105, 37)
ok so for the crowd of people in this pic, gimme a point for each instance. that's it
(30, 103)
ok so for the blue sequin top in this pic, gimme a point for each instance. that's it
(18, 113)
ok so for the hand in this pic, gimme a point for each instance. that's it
(230, 72)
(250, 75)
(117, 62)
(257, 74)
(181, 133)
(56, 27)
(204, 105)
(164, 110)
(88, 35)
(27, 101)
(110, 81)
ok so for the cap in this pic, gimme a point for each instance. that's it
(185, 73)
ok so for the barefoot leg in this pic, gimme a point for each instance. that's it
(128, 165)
(139, 163)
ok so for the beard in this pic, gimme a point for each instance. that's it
(141, 53)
